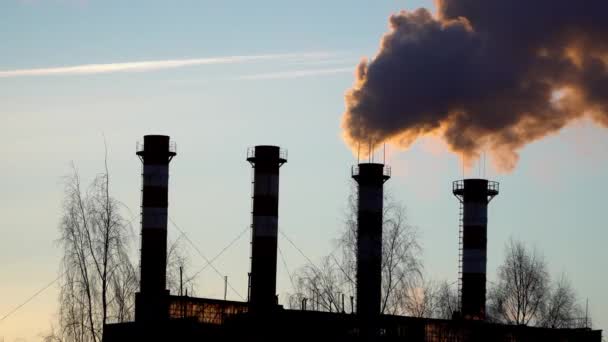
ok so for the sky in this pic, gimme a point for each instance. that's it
(219, 77)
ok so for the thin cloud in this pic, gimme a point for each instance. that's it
(146, 66)
(326, 62)
(296, 73)
(79, 3)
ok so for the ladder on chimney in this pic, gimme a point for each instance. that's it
(141, 216)
(460, 252)
(251, 237)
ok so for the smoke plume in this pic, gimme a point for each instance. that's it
(485, 75)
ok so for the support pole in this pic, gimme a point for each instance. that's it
(225, 287)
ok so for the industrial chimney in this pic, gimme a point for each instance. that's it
(474, 196)
(265, 161)
(151, 303)
(370, 177)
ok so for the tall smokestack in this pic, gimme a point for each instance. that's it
(151, 303)
(370, 177)
(265, 161)
(474, 196)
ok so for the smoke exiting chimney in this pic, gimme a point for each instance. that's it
(474, 196)
(151, 303)
(266, 161)
(483, 75)
(370, 177)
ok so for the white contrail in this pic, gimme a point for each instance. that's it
(297, 73)
(87, 69)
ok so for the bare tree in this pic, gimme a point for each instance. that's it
(336, 277)
(178, 261)
(562, 309)
(99, 278)
(321, 287)
(521, 289)
(401, 262)
(125, 282)
(426, 298)
(50, 336)
(446, 302)
(418, 299)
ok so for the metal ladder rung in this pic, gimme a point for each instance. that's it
(460, 252)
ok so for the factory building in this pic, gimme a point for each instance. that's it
(161, 316)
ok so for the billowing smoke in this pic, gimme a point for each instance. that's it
(485, 75)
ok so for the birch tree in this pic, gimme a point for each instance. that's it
(562, 308)
(522, 286)
(99, 278)
(401, 263)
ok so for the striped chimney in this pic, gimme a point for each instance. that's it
(265, 161)
(370, 178)
(474, 195)
(151, 303)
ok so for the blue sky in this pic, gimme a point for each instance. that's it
(290, 95)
